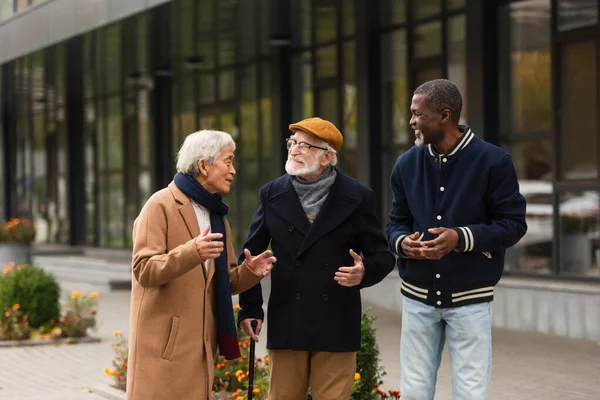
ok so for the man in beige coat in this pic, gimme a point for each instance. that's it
(184, 276)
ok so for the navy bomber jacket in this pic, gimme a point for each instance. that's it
(472, 189)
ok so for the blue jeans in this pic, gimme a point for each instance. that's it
(468, 330)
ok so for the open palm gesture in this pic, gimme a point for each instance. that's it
(261, 264)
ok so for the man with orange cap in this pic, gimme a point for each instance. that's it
(322, 227)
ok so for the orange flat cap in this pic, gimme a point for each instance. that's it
(322, 129)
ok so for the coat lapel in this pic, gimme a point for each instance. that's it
(186, 209)
(286, 205)
(341, 202)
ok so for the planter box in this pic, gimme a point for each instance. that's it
(14, 252)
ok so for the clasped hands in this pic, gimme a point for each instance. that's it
(209, 247)
(435, 249)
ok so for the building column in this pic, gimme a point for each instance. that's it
(483, 69)
(368, 73)
(75, 140)
(280, 40)
(9, 129)
(160, 64)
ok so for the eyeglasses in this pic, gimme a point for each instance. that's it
(303, 147)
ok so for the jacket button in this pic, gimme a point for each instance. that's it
(297, 263)
(291, 228)
(439, 217)
(325, 298)
(439, 303)
(438, 293)
(438, 276)
(444, 159)
(297, 296)
(442, 189)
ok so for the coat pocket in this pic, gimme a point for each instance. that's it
(170, 342)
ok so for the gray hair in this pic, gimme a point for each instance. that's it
(322, 143)
(204, 145)
(442, 94)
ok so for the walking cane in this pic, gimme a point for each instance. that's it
(254, 323)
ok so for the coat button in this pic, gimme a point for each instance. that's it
(438, 276)
(439, 303)
(297, 296)
(444, 159)
(438, 293)
(297, 263)
(442, 189)
(325, 298)
(291, 228)
(439, 217)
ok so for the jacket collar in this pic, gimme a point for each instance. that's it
(465, 139)
(344, 197)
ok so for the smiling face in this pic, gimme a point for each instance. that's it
(427, 123)
(307, 165)
(217, 178)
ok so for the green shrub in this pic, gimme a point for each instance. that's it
(35, 290)
(367, 362)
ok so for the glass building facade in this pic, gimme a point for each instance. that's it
(90, 125)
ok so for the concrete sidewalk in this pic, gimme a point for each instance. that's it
(525, 366)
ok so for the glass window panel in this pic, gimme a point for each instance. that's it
(307, 84)
(113, 57)
(395, 89)
(268, 170)
(226, 49)
(206, 16)
(326, 23)
(207, 88)
(327, 61)
(88, 64)
(176, 132)
(573, 14)
(533, 253)
(145, 143)
(2, 153)
(206, 50)
(184, 23)
(580, 228)
(188, 106)
(263, 17)
(116, 206)
(393, 12)
(328, 104)
(529, 76)
(350, 97)
(428, 40)
(455, 4)
(426, 8)
(246, 30)
(115, 140)
(90, 173)
(457, 57)
(101, 134)
(579, 107)
(142, 42)
(306, 22)
(349, 18)
(226, 85)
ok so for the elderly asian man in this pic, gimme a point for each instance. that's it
(184, 274)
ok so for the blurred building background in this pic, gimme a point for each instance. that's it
(97, 95)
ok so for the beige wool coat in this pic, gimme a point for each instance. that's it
(173, 337)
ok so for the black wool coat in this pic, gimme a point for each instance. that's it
(308, 310)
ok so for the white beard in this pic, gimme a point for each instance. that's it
(302, 171)
(418, 139)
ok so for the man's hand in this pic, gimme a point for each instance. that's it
(247, 328)
(261, 264)
(440, 246)
(351, 276)
(205, 246)
(411, 246)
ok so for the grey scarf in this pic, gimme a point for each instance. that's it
(312, 194)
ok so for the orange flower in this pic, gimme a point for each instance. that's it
(227, 373)
(109, 372)
(93, 295)
(16, 307)
(117, 333)
(75, 294)
(257, 390)
(7, 314)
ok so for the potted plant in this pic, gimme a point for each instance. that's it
(15, 237)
